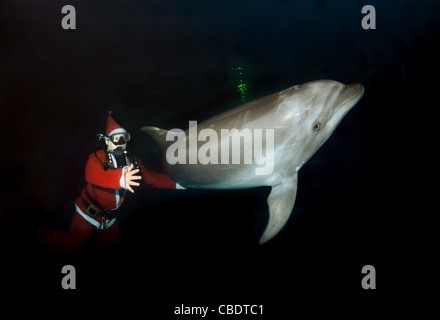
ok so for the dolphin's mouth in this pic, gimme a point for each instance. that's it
(351, 93)
(348, 97)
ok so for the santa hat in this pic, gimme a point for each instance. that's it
(112, 127)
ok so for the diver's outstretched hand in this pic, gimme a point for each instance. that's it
(130, 177)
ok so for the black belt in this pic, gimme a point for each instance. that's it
(93, 208)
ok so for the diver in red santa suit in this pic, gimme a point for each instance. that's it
(109, 174)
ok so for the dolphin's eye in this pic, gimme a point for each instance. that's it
(316, 126)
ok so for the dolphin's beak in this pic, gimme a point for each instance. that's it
(350, 95)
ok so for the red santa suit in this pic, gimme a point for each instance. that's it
(105, 189)
(96, 207)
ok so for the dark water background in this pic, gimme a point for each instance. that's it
(164, 63)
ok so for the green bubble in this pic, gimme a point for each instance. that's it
(240, 76)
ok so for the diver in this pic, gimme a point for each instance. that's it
(109, 173)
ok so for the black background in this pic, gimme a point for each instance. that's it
(360, 200)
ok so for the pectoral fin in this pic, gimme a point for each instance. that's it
(280, 202)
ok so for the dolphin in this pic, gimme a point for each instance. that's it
(302, 118)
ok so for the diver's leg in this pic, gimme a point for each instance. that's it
(109, 236)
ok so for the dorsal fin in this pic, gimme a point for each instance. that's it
(158, 135)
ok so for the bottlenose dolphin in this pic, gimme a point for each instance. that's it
(302, 118)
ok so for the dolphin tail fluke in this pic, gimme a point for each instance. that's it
(280, 202)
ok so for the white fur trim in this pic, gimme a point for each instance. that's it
(117, 130)
(89, 219)
(179, 187)
(105, 222)
(122, 179)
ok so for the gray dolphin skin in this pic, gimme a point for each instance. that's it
(302, 118)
